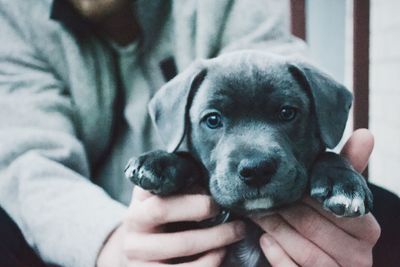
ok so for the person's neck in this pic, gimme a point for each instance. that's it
(121, 27)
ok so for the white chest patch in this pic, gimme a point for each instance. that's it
(262, 203)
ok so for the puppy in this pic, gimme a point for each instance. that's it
(253, 128)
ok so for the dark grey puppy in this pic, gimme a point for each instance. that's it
(254, 128)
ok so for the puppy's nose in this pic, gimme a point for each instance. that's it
(257, 172)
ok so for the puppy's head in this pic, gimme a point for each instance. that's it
(256, 121)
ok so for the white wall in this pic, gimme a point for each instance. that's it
(385, 93)
(329, 35)
(326, 34)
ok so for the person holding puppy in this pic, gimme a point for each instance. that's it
(75, 79)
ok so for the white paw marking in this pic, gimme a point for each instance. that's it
(357, 205)
(262, 203)
(129, 171)
(317, 190)
(353, 205)
(340, 200)
(130, 168)
(140, 173)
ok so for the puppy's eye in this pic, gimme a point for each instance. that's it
(213, 120)
(287, 113)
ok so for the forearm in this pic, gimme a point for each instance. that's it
(62, 214)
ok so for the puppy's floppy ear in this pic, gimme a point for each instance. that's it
(331, 101)
(169, 108)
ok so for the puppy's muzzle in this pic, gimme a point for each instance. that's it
(257, 172)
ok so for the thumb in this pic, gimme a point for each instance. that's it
(358, 149)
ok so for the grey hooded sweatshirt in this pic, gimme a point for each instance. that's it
(73, 106)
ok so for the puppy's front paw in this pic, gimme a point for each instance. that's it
(340, 189)
(141, 175)
(160, 172)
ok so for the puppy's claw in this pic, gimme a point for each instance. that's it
(162, 173)
(339, 188)
(131, 169)
(344, 205)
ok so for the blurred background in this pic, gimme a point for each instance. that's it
(329, 32)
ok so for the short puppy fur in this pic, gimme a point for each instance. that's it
(254, 129)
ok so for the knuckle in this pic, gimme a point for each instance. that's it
(364, 257)
(129, 216)
(374, 233)
(183, 244)
(206, 207)
(326, 263)
(311, 226)
(187, 246)
(371, 230)
(311, 259)
(130, 249)
(279, 261)
(276, 225)
(226, 235)
(362, 260)
(139, 247)
(130, 220)
(156, 211)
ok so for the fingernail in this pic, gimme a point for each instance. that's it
(267, 240)
(240, 229)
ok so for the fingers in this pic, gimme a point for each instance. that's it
(140, 194)
(212, 258)
(316, 228)
(155, 211)
(349, 244)
(362, 228)
(359, 148)
(145, 245)
(275, 254)
(290, 241)
(161, 246)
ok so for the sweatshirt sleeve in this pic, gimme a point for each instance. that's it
(44, 171)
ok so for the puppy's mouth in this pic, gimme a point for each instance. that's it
(255, 207)
(246, 201)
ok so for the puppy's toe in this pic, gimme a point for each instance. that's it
(138, 174)
(320, 193)
(160, 172)
(131, 168)
(149, 181)
(345, 205)
(340, 188)
(345, 193)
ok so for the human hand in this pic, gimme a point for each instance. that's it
(306, 235)
(142, 241)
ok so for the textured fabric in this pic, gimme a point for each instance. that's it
(387, 212)
(58, 99)
(14, 251)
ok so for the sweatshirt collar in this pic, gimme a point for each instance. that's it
(151, 15)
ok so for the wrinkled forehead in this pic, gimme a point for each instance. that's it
(239, 88)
